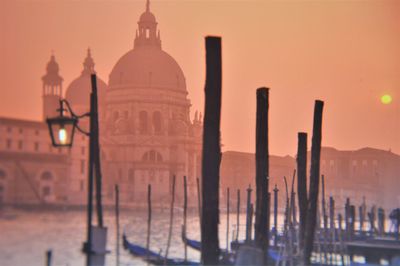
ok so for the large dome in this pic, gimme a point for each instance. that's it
(147, 67)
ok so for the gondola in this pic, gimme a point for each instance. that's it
(153, 257)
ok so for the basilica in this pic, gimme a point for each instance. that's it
(148, 135)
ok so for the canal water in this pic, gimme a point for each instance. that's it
(26, 235)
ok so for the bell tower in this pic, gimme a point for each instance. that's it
(147, 35)
(52, 89)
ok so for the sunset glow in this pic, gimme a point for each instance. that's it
(386, 99)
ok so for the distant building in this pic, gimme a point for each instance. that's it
(366, 174)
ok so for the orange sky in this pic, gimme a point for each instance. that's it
(345, 53)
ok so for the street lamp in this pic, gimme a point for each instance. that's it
(62, 129)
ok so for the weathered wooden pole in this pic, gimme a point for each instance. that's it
(148, 219)
(185, 212)
(293, 200)
(325, 216)
(251, 212)
(211, 153)
(227, 219)
(332, 229)
(361, 219)
(262, 171)
(171, 217)
(362, 213)
(331, 213)
(238, 215)
(314, 182)
(249, 215)
(276, 190)
(381, 221)
(352, 221)
(371, 216)
(302, 184)
(117, 224)
(340, 221)
(287, 213)
(347, 216)
(49, 254)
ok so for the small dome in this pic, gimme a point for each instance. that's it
(52, 76)
(147, 67)
(52, 66)
(147, 17)
(78, 92)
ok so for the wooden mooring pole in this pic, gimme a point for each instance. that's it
(249, 214)
(314, 182)
(185, 212)
(148, 220)
(227, 219)
(302, 184)
(276, 190)
(171, 216)
(381, 221)
(238, 215)
(49, 254)
(211, 153)
(117, 235)
(261, 230)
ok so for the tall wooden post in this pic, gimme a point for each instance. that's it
(302, 184)
(238, 215)
(211, 153)
(49, 254)
(381, 221)
(148, 219)
(249, 214)
(227, 219)
(171, 217)
(352, 221)
(347, 216)
(314, 181)
(325, 216)
(262, 171)
(276, 190)
(185, 211)
(117, 224)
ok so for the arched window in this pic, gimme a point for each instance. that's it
(46, 176)
(143, 122)
(157, 123)
(152, 156)
(3, 174)
(115, 116)
(131, 175)
(46, 191)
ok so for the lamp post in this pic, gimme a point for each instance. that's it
(62, 129)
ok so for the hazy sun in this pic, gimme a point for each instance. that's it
(386, 99)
